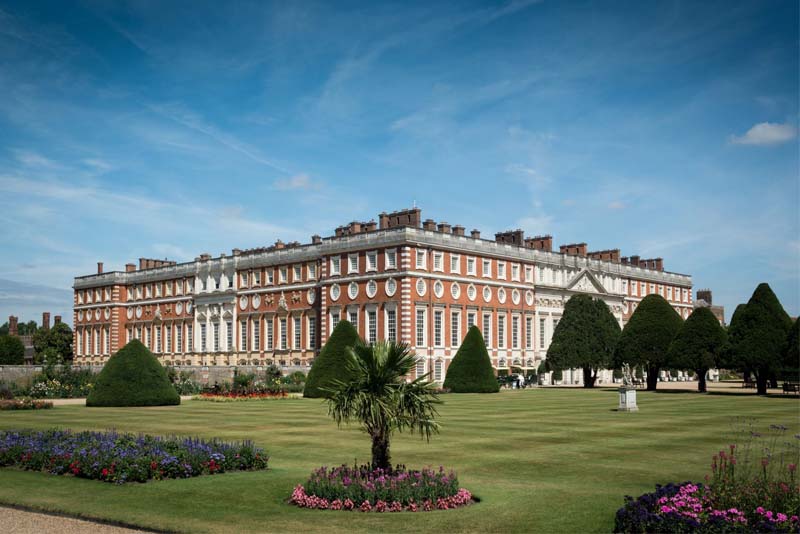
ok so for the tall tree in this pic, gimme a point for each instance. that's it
(699, 345)
(646, 338)
(377, 396)
(758, 340)
(585, 338)
(330, 364)
(12, 351)
(791, 356)
(55, 342)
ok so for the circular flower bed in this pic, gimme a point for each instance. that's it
(378, 490)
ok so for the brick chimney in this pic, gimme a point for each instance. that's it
(475, 234)
(99, 267)
(13, 330)
(611, 255)
(444, 227)
(56, 320)
(130, 267)
(540, 242)
(371, 226)
(429, 224)
(659, 264)
(458, 230)
(512, 237)
(635, 260)
(407, 217)
(315, 239)
(46, 320)
(279, 244)
(575, 249)
(704, 294)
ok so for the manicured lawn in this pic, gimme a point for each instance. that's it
(545, 460)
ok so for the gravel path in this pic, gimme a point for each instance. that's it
(15, 521)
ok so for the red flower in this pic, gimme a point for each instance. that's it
(105, 472)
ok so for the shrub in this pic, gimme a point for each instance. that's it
(330, 365)
(116, 457)
(24, 404)
(12, 351)
(471, 370)
(133, 377)
(380, 490)
(62, 382)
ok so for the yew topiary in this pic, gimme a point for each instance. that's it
(133, 377)
(331, 365)
(471, 370)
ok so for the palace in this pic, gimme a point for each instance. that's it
(401, 278)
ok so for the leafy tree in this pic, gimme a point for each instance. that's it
(133, 377)
(55, 342)
(791, 356)
(330, 364)
(585, 338)
(699, 345)
(377, 396)
(758, 339)
(4, 329)
(646, 338)
(12, 351)
(471, 370)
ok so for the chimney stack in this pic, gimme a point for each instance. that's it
(279, 244)
(407, 217)
(13, 330)
(575, 249)
(458, 230)
(705, 294)
(429, 224)
(444, 227)
(57, 320)
(512, 237)
(46, 320)
(316, 240)
(99, 267)
(540, 242)
(475, 234)
(130, 267)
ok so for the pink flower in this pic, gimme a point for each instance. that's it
(366, 506)
(792, 468)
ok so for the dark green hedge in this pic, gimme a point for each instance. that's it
(471, 370)
(133, 377)
(330, 364)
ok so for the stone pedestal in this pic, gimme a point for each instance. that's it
(627, 400)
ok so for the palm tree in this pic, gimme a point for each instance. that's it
(379, 398)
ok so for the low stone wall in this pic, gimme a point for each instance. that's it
(205, 375)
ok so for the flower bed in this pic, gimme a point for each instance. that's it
(116, 457)
(228, 397)
(751, 488)
(24, 404)
(367, 490)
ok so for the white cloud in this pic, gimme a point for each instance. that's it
(528, 174)
(766, 133)
(298, 181)
(536, 224)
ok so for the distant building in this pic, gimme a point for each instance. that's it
(27, 340)
(704, 300)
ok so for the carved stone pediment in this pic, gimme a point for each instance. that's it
(586, 282)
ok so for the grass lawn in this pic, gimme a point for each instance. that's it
(544, 460)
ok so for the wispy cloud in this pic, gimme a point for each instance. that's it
(616, 205)
(766, 133)
(297, 182)
(527, 174)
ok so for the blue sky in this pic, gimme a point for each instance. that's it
(167, 129)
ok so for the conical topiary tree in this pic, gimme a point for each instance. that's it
(471, 370)
(331, 363)
(585, 338)
(646, 338)
(791, 356)
(133, 377)
(758, 339)
(699, 345)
